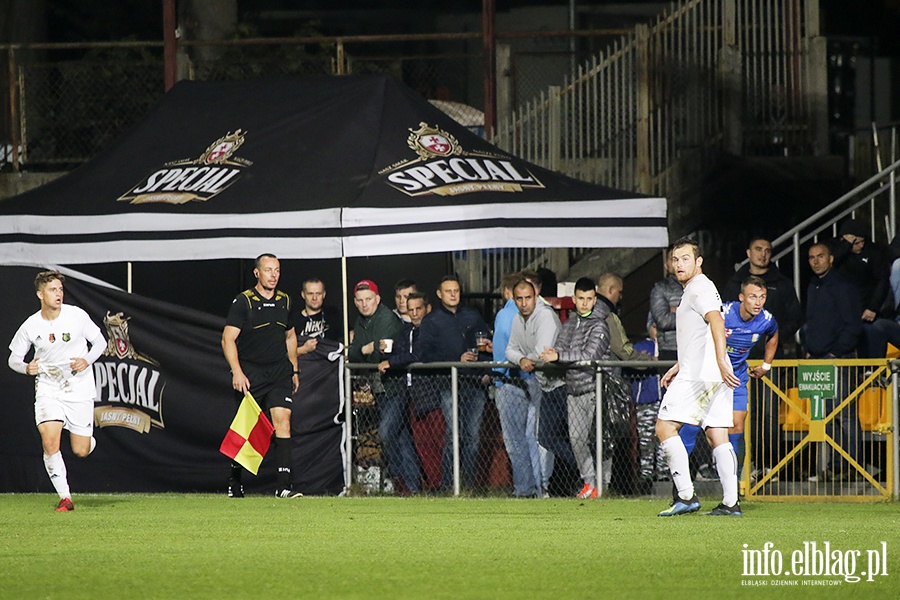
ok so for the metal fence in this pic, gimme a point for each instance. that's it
(745, 76)
(64, 103)
(463, 428)
(806, 444)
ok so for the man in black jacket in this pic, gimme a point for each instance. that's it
(782, 302)
(781, 298)
(861, 262)
(832, 330)
(448, 335)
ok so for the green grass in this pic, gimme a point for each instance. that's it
(204, 546)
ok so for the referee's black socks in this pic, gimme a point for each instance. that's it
(283, 460)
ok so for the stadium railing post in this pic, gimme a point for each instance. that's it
(454, 400)
(598, 395)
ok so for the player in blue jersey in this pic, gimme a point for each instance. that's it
(745, 322)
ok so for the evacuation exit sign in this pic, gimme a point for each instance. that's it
(817, 382)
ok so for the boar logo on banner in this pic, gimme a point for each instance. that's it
(129, 384)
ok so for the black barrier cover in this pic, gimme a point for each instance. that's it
(165, 403)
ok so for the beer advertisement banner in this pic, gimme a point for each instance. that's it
(316, 167)
(164, 404)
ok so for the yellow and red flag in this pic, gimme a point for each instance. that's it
(248, 439)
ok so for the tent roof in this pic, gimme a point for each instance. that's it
(310, 168)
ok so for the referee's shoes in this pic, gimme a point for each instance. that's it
(682, 507)
(287, 493)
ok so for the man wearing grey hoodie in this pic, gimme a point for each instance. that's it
(534, 329)
(584, 337)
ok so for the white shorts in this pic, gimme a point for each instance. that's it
(77, 415)
(704, 403)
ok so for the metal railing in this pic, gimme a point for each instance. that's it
(797, 445)
(876, 196)
(745, 76)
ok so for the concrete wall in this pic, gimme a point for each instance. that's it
(13, 184)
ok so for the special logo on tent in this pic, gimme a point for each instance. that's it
(197, 179)
(445, 169)
(430, 142)
(129, 385)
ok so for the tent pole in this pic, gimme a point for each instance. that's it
(128, 283)
(345, 303)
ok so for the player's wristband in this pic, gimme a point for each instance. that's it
(296, 372)
(766, 366)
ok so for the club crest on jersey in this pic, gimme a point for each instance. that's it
(193, 179)
(129, 384)
(66, 337)
(51, 338)
(444, 168)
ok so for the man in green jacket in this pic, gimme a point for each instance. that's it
(375, 333)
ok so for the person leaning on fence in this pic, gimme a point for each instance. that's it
(403, 354)
(583, 337)
(376, 331)
(448, 335)
(699, 386)
(832, 330)
(535, 329)
(518, 399)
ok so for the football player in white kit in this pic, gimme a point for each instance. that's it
(700, 385)
(64, 389)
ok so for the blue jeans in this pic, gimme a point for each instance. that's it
(396, 439)
(471, 408)
(519, 411)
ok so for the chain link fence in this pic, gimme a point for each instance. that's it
(65, 103)
(513, 438)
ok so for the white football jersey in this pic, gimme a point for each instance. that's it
(696, 352)
(56, 343)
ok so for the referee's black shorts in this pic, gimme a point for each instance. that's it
(270, 385)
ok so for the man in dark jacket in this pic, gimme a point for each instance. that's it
(665, 296)
(832, 330)
(448, 335)
(376, 332)
(781, 298)
(862, 263)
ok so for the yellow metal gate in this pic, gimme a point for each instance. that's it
(821, 430)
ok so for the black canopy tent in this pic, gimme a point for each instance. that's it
(317, 168)
(324, 167)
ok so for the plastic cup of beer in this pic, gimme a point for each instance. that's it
(387, 346)
(481, 339)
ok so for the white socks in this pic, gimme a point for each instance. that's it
(56, 469)
(726, 467)
(679, 465)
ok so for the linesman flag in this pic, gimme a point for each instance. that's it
(248, 439)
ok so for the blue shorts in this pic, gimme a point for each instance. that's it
(740, 398)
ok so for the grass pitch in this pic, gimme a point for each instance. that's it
(204, 546)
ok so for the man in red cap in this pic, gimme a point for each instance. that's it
(376, 330)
